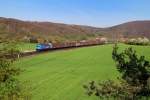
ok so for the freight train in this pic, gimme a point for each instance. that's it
(53, 46)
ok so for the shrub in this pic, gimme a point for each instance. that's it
(139, 41)
(10, 87)
(134, 69)
(110, 89)
(134, 82)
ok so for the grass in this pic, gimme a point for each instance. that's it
(26, 46)
(21, 46)
(60, 75)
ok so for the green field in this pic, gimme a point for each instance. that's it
(26, 46)
(60, 75)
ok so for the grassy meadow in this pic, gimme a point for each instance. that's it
(26, 46)
(60, 75)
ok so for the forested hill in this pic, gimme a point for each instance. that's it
(24, 30)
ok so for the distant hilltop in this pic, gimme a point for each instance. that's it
(57, 32)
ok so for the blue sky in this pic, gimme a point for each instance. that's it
(100, 13)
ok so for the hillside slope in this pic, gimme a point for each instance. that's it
(57, 32)
(47, 30)
(134, 29)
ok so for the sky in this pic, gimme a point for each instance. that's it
(99, 13)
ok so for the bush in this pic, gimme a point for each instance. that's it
(10, 87)
(110, 89)
(134, 82)
(134, 69)
(139, 41)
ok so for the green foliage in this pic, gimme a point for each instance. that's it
(10, 88)
(110, 89)
(134, 69)
(137, 43)
(134, 73)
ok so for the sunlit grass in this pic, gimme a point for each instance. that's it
(60, 75)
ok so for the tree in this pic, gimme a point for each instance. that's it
(10, 88)
(110, 89)
(133, 84)
(139, 41)
(134, 69)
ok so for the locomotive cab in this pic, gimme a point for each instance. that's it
(44, 47)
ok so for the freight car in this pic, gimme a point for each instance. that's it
(53, 46)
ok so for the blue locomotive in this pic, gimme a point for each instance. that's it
(44, 47)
